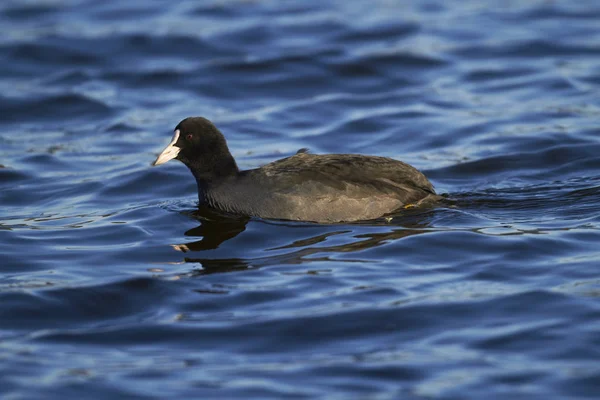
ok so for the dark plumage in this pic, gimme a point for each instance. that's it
(304, 187)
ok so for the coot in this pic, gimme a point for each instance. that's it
(304, 187)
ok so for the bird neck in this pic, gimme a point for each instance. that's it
(211, 168)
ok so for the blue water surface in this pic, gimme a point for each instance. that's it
(112, 285)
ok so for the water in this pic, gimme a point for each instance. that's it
(112, 286)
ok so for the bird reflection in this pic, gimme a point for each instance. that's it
(216, 228)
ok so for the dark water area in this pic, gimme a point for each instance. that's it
(113, 285)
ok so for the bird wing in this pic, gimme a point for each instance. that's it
(340, 171)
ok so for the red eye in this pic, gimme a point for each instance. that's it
(189, 137)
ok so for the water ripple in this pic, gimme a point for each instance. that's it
(113, 283)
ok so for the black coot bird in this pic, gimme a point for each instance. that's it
(304, 187)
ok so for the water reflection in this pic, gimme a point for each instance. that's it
(215, 229)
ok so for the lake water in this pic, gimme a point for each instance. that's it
(112, 286)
